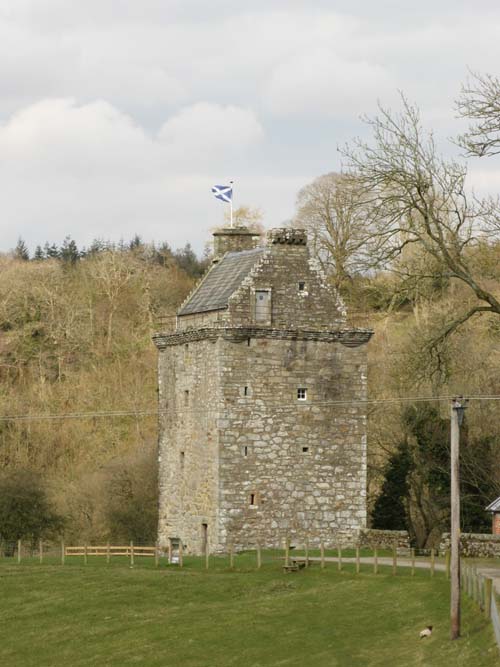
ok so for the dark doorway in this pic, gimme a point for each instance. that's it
(204, 538)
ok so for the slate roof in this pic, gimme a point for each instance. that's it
(494, 506)
(221, 282)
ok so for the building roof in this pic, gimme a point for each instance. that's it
(494, 506)
(221, 282)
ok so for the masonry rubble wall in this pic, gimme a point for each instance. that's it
(188, 443)
(474, 545)
(313, 304)
(302, 463)
(371, 538)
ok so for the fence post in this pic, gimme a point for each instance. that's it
(357, 560)
(375, 561)
(85, 554)
(339, 554)
(207, 556)
(322, 552)
(169, 552)
(394, 559)
(63, 552)
(306, 550)
(433, 562)
(259, 556)
(157, 556)
(231, 556)
(181, 554)
(108, 553)
(413, 562)
(18, 551)
(447, 563)
(131, 554)
(40, 550)
(488, 583)
(287, 551)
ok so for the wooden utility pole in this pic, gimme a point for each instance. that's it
(457, 413)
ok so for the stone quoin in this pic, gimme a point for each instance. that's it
(261, 389)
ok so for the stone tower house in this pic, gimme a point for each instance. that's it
(262, 432)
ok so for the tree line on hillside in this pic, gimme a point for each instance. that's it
(69, 253)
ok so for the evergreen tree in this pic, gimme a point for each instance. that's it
(390, 511)
(96, 247)
(135, 243)
(186, 258)
(69, 251)
(25, 511)
(163, 254)
(51, 251)
(39, 254)
(21, 251)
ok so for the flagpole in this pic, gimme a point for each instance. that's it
(231, 202)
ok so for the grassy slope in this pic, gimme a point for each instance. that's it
(114, 615)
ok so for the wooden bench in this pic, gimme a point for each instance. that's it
(294, 566)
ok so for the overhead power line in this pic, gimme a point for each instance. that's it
(110, 414)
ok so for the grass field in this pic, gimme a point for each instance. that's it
(102, 614)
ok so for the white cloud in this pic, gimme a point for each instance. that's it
(90, 170)
(201, 133)
(318, 82)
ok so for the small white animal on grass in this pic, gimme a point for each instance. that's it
(427, 632)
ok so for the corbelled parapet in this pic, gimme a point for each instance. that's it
(286, 236)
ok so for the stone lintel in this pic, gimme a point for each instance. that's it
(347, 337)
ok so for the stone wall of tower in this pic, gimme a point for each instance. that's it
(304, 462)
(316, 306)
(188, 443)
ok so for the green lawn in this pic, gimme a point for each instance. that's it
(114, 615)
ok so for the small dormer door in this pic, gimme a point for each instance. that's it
(263, 306)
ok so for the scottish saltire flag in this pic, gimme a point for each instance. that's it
(223, 192)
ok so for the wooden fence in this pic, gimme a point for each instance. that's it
(41, 551)
(130, 550)
(479, 587)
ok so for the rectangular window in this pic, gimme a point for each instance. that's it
(263, 306)
(302, 394)
(245, 391)
(253, 499)
(245, 450)
(182, 460)
(305, 449)
(302, 286)
(186, 397)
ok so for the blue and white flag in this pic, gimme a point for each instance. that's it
(223, 192)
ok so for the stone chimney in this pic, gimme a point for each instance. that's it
(233, 239)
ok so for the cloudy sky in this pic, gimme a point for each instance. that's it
(117, 116)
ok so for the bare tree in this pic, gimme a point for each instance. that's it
(480, 103)
(329, 208)
(414, 197)
(246, 216)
